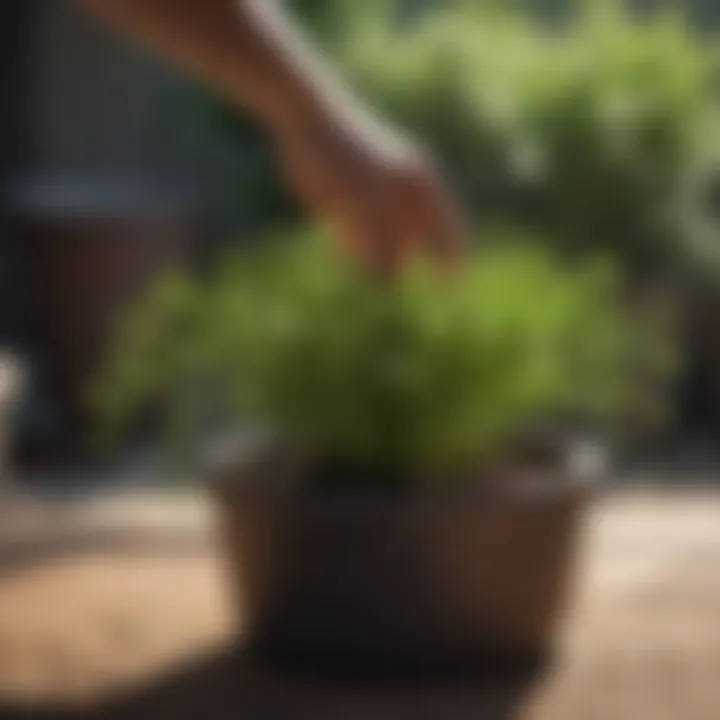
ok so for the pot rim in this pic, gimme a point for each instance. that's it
(238, 469)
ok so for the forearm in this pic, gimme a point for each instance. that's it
(246, 49)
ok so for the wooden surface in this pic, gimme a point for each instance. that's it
(117, 608)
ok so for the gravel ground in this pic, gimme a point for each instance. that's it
(115, 607)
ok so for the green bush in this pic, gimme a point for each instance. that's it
(596, 133)
(416, 376)
(589, 133)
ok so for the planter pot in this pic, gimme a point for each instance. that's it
(420, 580)
(88, 251)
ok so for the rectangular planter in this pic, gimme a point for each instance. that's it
(420, 580)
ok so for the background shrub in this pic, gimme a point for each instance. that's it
(597, 133)
(591, 132)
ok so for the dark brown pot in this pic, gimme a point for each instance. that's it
(82, 269)
(400, 579)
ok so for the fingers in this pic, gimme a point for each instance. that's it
(408, 215)
(388, 253)
(383, 213)
(447, 236)
(432, 221)
(372, 236)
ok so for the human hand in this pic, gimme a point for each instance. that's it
(383, 197)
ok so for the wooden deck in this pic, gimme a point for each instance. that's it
(116, 607)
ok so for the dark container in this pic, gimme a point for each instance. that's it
(89, 250)
(408, 580)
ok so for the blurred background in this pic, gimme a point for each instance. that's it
(114, 169)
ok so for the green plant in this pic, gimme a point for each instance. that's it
(418, 375)
(588, 133)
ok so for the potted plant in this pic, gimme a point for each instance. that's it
(408, 495)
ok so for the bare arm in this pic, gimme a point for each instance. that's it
(342, 161)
